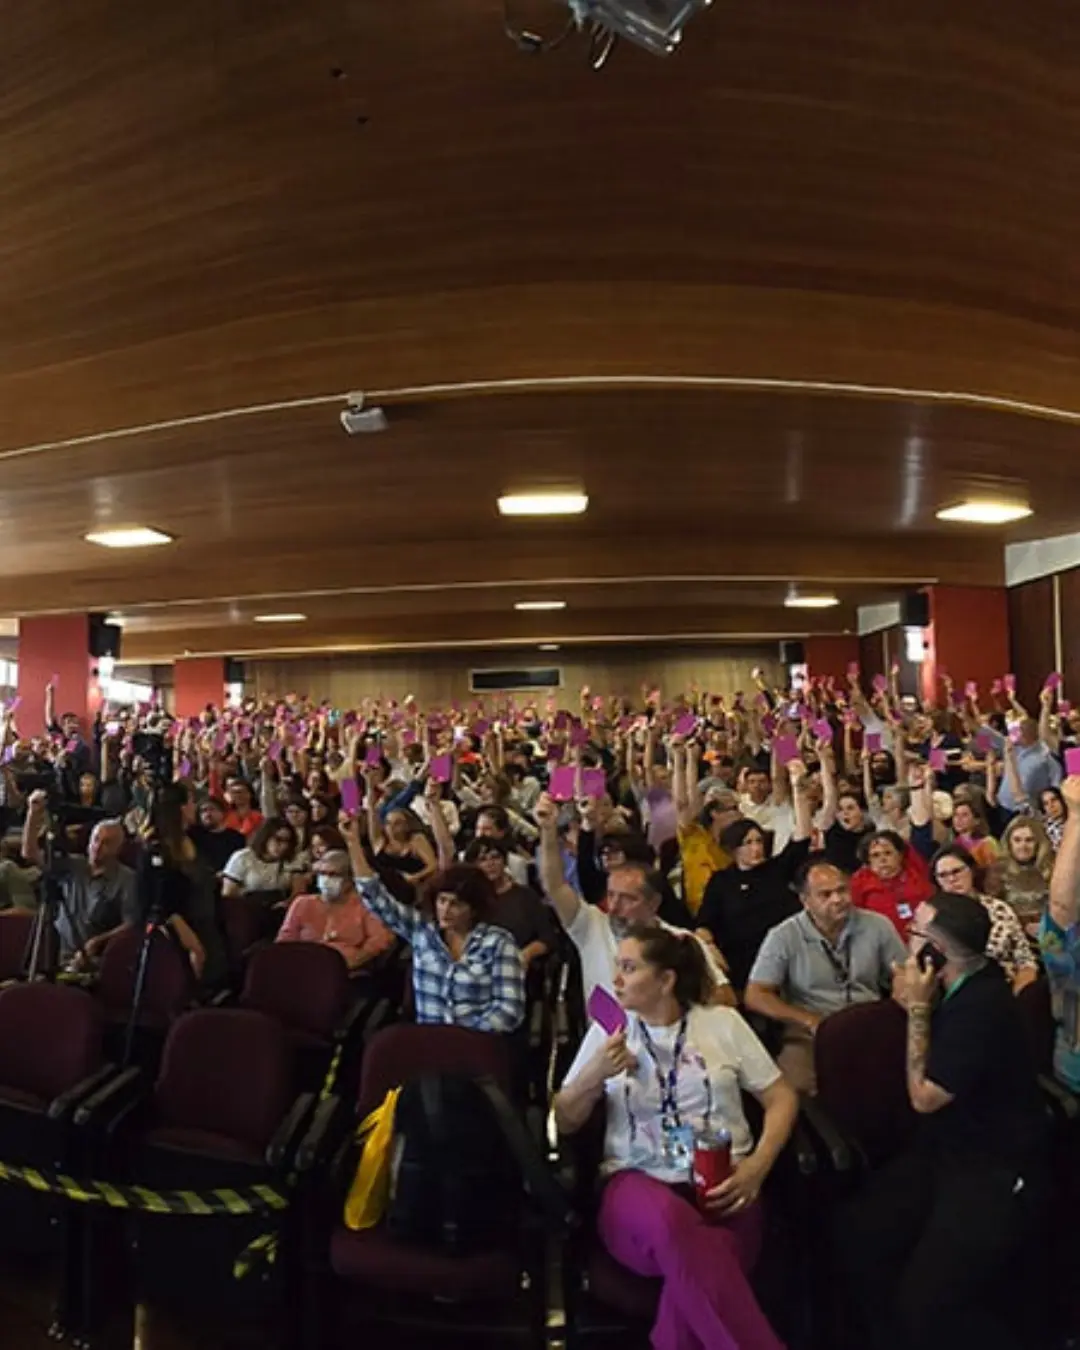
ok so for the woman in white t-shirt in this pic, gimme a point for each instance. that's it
(677, 1071)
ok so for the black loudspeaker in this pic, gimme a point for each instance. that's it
(915, 609)
(234, 670)
(104, 638)
(792, 654)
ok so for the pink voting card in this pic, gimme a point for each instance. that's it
(606, 1011)
(853, 670)
(686, 725)
(579, 735)
(373, 756)
(1009, 683)
(971, 689)
(594, 783)
(938, 761)
(785, 748)
(441, 769)
(823, 731)
(1064, 707)
(1053, 680)
(561, 784)
(880, 683)
(350, 796)
(872, 741)
(984, 741)
(1072, 761)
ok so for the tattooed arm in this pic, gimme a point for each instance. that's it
(926, 1096)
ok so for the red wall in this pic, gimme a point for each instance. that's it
(968, 637)
(831, 656)
(197, 682)
(56, 645)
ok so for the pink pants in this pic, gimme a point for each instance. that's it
(707, 1302)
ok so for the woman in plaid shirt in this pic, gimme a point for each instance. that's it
(466, 971)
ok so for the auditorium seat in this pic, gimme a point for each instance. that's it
(220, 1115)
(50, 1062)
(168, 990)
(360, 1276)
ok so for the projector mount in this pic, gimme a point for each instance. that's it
(655, 25)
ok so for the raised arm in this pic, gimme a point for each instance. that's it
(33, 827)
(828, 785)
(371, 805)
(400, 919)
(1065, 881)
(1048, 733)
(804, 824)
(444, 840)
(566, 900)
(507, 1006)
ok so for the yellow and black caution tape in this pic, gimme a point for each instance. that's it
(330, 1081)
(257, 1199)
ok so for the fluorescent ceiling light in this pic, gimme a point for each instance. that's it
(543, 504)
(811, 601)
(280, 618)
(540, 604)
(134, 536)
(984, 512)
(548, 647)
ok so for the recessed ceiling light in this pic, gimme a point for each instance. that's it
(543, 504)
(984, 512)
(280, 618)
(540, 604)
(548, 647)
(811, 601)
(134, 536)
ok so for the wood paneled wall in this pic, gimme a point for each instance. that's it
(1031, 637)
(436, 678)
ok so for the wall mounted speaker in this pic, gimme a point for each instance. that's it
(104, 638)
(234, 670)
(793, 653)
(915, 609)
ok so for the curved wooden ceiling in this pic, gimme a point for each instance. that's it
(200, 215)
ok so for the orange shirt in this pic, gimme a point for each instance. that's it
(247, 824)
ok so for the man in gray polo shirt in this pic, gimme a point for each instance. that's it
(99, 890)
(817, 962)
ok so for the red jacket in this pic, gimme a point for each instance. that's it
(895, 897)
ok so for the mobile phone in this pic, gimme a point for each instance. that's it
(931, 958)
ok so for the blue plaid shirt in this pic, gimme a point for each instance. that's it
(485, 990)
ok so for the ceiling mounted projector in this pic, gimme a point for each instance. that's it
(360, 420)
(655, 25)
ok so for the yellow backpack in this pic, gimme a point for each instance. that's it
(370, 1190)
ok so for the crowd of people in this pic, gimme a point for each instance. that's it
(729, 870)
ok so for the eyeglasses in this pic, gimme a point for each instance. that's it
(947, 874)
(284, 839)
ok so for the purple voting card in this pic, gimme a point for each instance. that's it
(594, 783)
(561, 785)
(373, 756)
(785, 748)
(441, 769)
(1064, 707)
(984, 741)
(880, 683)
(1009, 683)
(556, 753)
(853, 670)
(971, 689)
(872, 742)
(350, 796)
(579, 735)
(185, 768)
(823, 731)
(937, 760)
(606, 1011)
(687, 725)
(768, 724)
(562, 721)
(1053, 680)
(1072, 761)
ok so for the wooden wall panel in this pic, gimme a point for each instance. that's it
(438, 678)
(1031, 636)
(1069, 583)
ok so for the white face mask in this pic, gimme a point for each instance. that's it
(330, 888)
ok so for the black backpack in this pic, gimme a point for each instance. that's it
(462, 1165)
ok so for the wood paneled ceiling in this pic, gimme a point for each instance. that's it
(771, 302)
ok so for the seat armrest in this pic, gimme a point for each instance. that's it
(842, 1153)
(65, 1104)
(380, 1017)
(354, 1019)
(283, 1145)
(1064, 1102)
(802, 1149)
(113, 1103)
(331, 1116)
(221, 999)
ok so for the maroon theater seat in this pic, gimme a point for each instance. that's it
(16, 926)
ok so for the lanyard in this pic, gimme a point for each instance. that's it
(669, 1082)
(840, 960)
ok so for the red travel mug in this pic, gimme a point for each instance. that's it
(712, 1162)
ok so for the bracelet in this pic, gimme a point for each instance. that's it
(918, 1008)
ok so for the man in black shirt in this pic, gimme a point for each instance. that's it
(214, 843)
(928, 1240)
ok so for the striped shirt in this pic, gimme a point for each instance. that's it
(484, 990)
